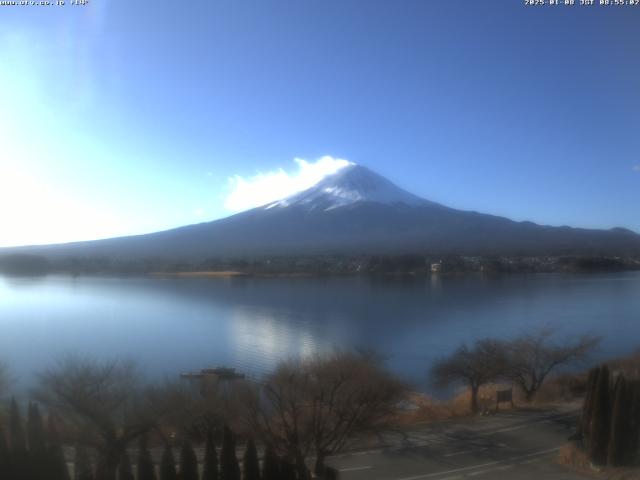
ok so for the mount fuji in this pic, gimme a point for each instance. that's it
(353, 211)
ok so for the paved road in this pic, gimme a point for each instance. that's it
(512, 445)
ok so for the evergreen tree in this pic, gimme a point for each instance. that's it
(5, 457)
(125, 472)
(18, 441)
(146, 470)
(20, 465)
(35, 431)
(618, 440)
(188, 462)
(634, 420)
(287, 470)
(38, 468)
(82, 464)
(601, 419)
(210, 467)
(168, 465)
(587, 407)
(270, 465)
(229, 468)
(250, 463)
(56, 461)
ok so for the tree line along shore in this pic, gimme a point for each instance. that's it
(306, 265)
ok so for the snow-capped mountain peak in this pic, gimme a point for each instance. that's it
(351, 184)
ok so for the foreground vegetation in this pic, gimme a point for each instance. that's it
(91, 420)
(305, 410)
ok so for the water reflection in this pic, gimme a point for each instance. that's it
(171, 325)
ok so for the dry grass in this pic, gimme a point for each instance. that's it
(573, 457)
(424, 408)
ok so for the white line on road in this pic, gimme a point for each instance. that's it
(354, 469)
(473, 467)
(472, 450)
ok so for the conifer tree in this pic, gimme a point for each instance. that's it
(188, 462)
(18, 441)
(56, 461)
(634, 420)
(168, 465)
(287, 470)
(20, 465)
(587, 407)
(146, 470)
(229, 468)
(270, 465)
(37, 456)
(601, 419)
(210, 467)
(35, 431)
(125, 472)
(82, 463)
(5, 457)
(618, 436)
(250, 463)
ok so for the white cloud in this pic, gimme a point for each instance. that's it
(636, 168)
(263, 188)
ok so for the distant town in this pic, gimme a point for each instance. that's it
(310, 265)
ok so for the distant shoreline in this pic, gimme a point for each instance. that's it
(230, 274)
(414, 265)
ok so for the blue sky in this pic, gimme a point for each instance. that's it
(127, 117)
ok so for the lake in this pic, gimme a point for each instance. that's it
(171, 325)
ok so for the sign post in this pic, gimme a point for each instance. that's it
(504, 396)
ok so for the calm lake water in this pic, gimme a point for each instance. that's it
(174, 325)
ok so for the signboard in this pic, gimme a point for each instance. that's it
(504, 396)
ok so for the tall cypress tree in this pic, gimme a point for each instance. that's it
(18, 441)
(35, 431)
(634, 421)
(601, 419)
(587, 407)
(20, 464)
(168, 465)
(229, 468)
(5, 457)
(38, 468)
(56, 460)
(188, 462)
(210, 467)
(270, 465)
(287, 470)
(125, 472)
(250, 463)
(618, 435)
(82, 463)
(146, 470)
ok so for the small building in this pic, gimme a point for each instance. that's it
(436, 267)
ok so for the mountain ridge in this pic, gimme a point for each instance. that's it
(353, 211)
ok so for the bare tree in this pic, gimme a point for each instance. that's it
(532, 357)
(100, 404)
(473, 366)
(316, 406)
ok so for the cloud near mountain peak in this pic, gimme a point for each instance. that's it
(249, 192)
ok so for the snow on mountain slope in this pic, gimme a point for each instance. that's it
(349, 185)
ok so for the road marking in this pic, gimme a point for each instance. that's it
(354, 469)
(474, 467)
(471, 450)
(490, 470)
